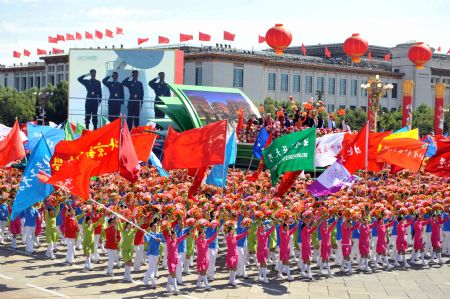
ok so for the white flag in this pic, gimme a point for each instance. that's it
(327, 148)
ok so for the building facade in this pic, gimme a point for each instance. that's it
(262, 74)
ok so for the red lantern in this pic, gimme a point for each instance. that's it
(355, 46)
(419, 54)
(278, 38)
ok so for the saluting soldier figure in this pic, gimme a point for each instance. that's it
(161, 89)
(136, 98)
(93, 97)
(116, 96)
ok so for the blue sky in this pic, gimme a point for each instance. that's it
(26, 24)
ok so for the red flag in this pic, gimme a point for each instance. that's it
(374, 141)
(78, 36)
(17, 54)
(185, 37)
(57, 51)
(163, 40)
(142, 40)
(109, 33)
(439, 164)
(204, 37)
(356, 153)
(11, 147)
(404, 152)
(195, 148)
(287, 181)
(26, 53)
(439, 49)
(387, 57)
(369, 56)
(448, 52)
(75, 182)
(143, 144)
(88, 35)
(60, 38)
(119, 31)
(327, 52)
(255, 175)
(70, 36)
(303, 49)
(98, 34)
(41, 52)
(229, 36)
(261, 39)
(101, 145)
(198, 179)
(52, 40)
(129, 163)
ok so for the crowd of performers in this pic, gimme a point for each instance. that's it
(386, 222)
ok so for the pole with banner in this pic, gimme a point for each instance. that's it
(408, 88)
(439, 98)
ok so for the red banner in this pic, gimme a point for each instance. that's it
(404, 152)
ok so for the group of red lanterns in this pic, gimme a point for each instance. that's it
(279, 38)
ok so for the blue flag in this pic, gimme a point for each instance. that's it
(219, 173)
(260, 142)
(157, 164)
(431, 151)
(52, 135)
(402, 130)
(31, 190)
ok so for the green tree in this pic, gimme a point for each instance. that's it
(390, 121)
(423, 119)
(56, 105)
(16, 104)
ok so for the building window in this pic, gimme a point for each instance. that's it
(51, 68)
(364, 108)
(60, 68)
(272, 79)
(60, 77)
(198, 76)
(284, 82)
(51, 79)
(352, 107)
(394, 90)
(343, 87)
(238, 77)
(308, 84)
(330, 108)
(353, 88)
(331, 85)
(38, 82)
(6, 81)
(320, 84)
(363, 92)
(296, 83)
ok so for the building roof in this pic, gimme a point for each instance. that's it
(336, 50)
(30, 66)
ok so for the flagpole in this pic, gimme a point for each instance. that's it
(366, 158)
(250, 164)
(314, 161)
(225, 162)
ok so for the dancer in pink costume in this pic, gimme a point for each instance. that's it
(285, 241)
(262, 251)
(419, 245)
(436, 223)
(325, 248)
(365, 231)
(232, 257)
(202, 257)
(306, 233)
(346, 243)
(402, 244)
(172, 257)
(382, 243)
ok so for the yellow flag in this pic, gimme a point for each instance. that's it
(411, 134)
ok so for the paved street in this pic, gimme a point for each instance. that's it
(25, 276)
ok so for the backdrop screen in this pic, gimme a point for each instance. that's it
(213, 106)
(85, 94)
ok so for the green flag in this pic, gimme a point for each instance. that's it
(68, 133)
(291, 152)
(80, 129)
(103, 121)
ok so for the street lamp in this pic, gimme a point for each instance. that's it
(375, 89)
(42, 99)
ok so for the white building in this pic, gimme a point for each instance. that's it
(262, 74)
